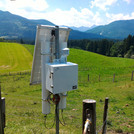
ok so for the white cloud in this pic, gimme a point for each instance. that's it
(128, 1)
(102, 4)
(120, 16)
(71, 17)
(37, 5)
(35, 9)
(1, 4)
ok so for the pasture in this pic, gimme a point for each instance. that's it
(14, 57)
(23, 102)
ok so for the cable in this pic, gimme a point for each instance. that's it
(62, 117)
(63, 124)
(49, 99)
(45, 123)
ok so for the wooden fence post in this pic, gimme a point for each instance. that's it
(113, 77)
(1, 117)
(3, 112)
(88, 77)
(99, 77)
(105, 116)
(132, 75)
(90, 106)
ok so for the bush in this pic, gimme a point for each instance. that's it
(132, 56)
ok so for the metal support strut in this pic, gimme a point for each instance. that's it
(56, 100)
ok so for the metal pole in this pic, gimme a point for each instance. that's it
(45, 93)
(57, 49)
(57, 118)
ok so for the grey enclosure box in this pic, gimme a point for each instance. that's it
(61, 78)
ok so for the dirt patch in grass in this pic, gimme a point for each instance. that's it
(4, 66)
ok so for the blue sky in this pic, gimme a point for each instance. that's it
(72, 12)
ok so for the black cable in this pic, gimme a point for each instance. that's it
(63, 124)
(63, 117)
(49, 98)
(45, 123)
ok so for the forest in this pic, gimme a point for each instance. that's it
(113, 48)
(108, 47)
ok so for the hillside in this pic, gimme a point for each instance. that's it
(75, 35)
(115, 30)
(82, 28)
(16, 27)
(14, 57)
(17, 57)
(89, 59)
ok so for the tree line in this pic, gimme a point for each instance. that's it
(114, 48)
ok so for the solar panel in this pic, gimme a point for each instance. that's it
(44, 38)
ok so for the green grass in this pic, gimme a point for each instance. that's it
(87, 59)
(23, 106)
(23, 102)
(14, 57)
(30, 48)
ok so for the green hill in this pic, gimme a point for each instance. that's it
(115, 30)
(90, 59)
(95, 64)
(14, 57)
(14, 26)
(87, 59)
(17, 57)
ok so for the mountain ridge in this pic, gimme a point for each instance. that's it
(116, 30)
(17, 27)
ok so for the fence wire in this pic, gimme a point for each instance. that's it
(94, 78)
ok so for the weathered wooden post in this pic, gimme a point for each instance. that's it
(2, 124)
(88, 77)
(113, 77)
(89, 109)
(99, 77)
(132, 75)
(3, 112)
(105, 116)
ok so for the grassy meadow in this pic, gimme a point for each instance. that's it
(23, 102)
(14, 57)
